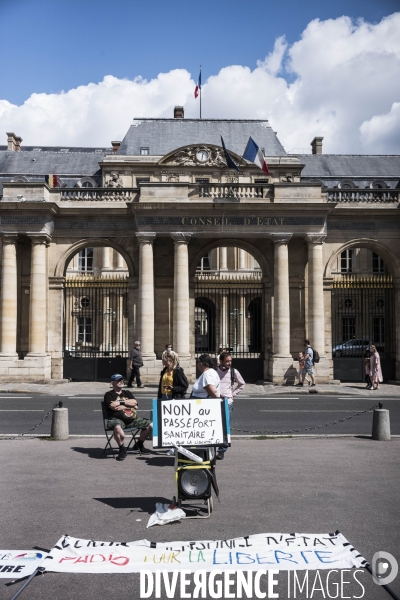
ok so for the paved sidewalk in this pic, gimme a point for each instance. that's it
(97, 387)
(54, 488)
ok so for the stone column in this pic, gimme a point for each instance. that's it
(105, 258)
(8, 299)
(146, 294)
(316, 316)
(282, 359)
(281, 295)
(223, 259)
(120, 261)
(181, 293)
(242, 260)
(38, 297)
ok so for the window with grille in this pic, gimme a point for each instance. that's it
(346, 261)
(378, 266)
(379, 331)
(348, 328)
(85, 330)
(85, 260)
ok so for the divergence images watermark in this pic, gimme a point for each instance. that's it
(228, 584)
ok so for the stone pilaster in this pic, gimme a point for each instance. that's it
(316, 309)
(282, 359)
(181, 294)
(146, 295)
(8, 299)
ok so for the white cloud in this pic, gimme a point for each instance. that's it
(382, 132)
(344, 85)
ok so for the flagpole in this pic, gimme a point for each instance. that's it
(200, 91)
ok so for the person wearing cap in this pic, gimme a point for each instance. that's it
(135, 363)
(116, 401)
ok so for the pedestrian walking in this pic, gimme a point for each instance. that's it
(231, 384)
(368, 372)
(308, 368)
(301, 367)
(136, 362)
(164, 356)
(375, 368)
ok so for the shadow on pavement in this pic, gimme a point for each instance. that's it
(143, 503)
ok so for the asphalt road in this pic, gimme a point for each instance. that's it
(252, 414)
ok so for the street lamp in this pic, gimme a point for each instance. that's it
(109, 316)
(235, 314)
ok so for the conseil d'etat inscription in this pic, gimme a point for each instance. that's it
(210, 222)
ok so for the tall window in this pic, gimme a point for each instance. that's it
(347, 260)
(85, 260)
(348, 328)
(85, 330)
(379, 332)
(378, 266)
(204, 263)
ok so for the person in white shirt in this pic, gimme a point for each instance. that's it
(208, 384)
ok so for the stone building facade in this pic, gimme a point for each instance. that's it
(156, 239)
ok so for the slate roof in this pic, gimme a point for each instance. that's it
(350, 166)
(29, 161)
(162, 136)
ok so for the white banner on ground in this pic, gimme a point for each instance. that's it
(15, 564)
(282, 551)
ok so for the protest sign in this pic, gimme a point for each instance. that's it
(15, 564)
(192, 422)
(265, 551)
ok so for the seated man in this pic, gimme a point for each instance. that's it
(121, 411)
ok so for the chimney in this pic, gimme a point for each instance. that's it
(316, 145)
(13, 142)
(115, 146)
(179, 113)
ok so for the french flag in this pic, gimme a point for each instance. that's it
(198, 87)
(253, 154)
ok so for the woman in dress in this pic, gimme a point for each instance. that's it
(375, 368)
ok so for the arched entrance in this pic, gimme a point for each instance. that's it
(362, 313)
(229, 297)
(95, 315)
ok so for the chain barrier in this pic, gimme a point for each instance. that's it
(57, 405)
(308, 428)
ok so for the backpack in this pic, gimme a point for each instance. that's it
(315, 356)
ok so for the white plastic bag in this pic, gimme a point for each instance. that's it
(164, 514)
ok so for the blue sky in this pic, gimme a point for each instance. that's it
(54, 45)
(75, 72)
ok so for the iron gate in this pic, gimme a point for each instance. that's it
(362, 314)
(95, 327)
(229, 314)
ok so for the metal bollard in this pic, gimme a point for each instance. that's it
(381, 425)
(59, 424)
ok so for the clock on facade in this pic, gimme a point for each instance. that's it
(202, 156)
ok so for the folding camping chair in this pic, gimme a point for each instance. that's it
(110, 432)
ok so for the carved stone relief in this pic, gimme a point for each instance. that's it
(113, 181)
(199, 156)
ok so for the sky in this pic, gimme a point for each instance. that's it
(75, 72)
